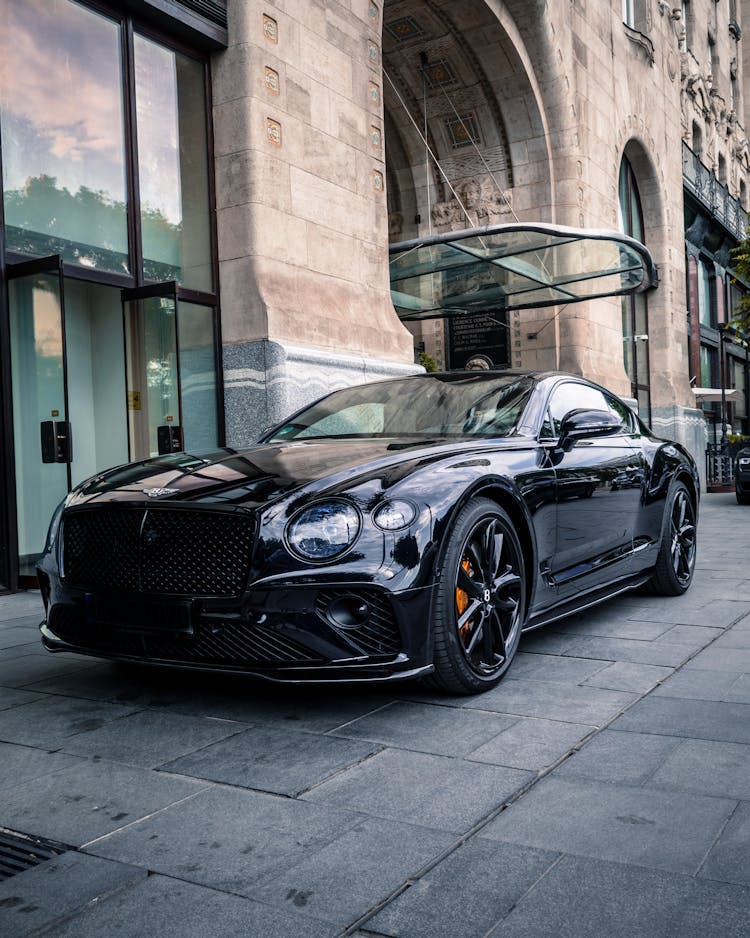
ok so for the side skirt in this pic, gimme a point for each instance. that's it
(585, 602)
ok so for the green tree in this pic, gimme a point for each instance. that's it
(427, 362)
(741, 262)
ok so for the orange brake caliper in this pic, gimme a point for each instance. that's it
(462, 599)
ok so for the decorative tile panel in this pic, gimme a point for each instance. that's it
(438, 74)
(462, 131)
(374, 93)
(271, 80)
(376, 137)
(373, 53)
(404, 29)
(377, 180)
(273, 131)
(270, 28)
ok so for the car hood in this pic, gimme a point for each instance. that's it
(267, 472)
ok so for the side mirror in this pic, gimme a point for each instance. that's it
(585, 425)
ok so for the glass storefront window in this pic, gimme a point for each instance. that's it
(705, 299)
(62, 126)
(708, 366)
(198, 381)
(173, 165)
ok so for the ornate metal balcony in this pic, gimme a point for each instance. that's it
(703, 184)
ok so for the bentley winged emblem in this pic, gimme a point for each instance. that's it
(157, 493)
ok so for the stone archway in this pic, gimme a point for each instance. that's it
(466, 140)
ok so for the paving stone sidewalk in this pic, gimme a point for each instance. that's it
(602, 788)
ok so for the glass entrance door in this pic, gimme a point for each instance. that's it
(153, 381)
(42, 440)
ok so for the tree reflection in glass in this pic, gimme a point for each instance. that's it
(61, 120)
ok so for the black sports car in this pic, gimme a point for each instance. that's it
(742, 476)
(408, 527)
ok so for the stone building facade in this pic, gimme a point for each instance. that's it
(404, 118)
(198, 198)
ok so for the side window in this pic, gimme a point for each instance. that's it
(573, 396)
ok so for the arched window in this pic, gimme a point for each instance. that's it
(634, 308)
(697, 139)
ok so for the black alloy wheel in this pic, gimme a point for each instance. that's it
(480, 600)
(675, 563)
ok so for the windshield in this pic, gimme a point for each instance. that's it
(445, 405)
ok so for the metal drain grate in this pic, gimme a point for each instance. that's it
(19, 852)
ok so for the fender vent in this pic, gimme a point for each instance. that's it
(19, 852)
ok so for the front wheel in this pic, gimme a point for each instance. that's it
(480, 600)
(675, 563)
(743, 498)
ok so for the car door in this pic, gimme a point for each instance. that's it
(598, 485)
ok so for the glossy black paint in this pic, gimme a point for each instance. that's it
(587, 507)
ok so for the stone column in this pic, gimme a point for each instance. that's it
(301, 208)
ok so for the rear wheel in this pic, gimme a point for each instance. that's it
(675, 564)
(743, 498)
(479, 604)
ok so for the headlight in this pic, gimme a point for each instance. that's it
(323, 531)
(394, 515)
(744, 463)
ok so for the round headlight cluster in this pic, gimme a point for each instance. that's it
(394, 515)
(323, 531)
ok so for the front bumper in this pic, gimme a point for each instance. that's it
(331, 632)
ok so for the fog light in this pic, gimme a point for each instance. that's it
(348, 612)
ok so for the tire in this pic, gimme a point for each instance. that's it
(479, 603)
(675, 563)
(743, 498)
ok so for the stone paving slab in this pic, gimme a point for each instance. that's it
(22, 670)
(702, 719)
(48, 722)
(630, 758)
(90, 799)
(150, 737)
(583, 898)
(707, 767)
(175, 909)
(45, 895)
(10, 698)
(267, 758)
(729, 859)
(226, 838)
(629, 676)
(556, 670)
(695, 684)
(721, 659)
(532, 744)
(373, 858)
(466, 894)
(570, 703)
(658, 829)
(19, 764)
(414, 787)
(441, 730)
(405, 811)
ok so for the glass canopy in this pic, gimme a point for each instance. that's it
(514, 267)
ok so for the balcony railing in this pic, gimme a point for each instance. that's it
(704, 185)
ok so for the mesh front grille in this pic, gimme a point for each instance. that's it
(228, 642)
(379, 634)
(178, 552)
